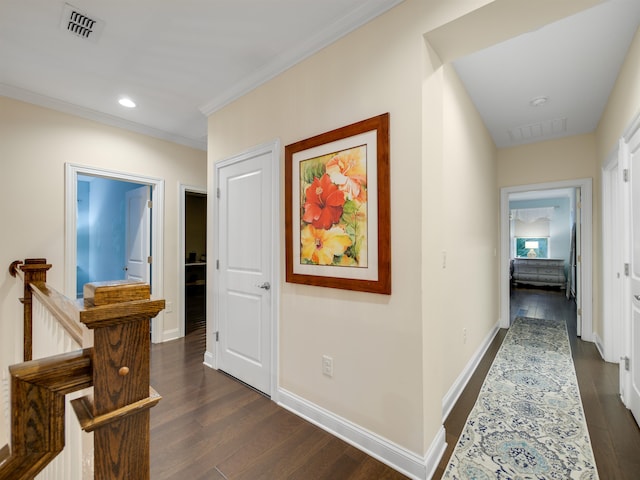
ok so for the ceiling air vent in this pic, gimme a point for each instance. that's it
(81, 24)
(533, 131)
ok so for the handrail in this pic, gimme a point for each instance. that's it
(62, 308)
(37, 432)
(29, 271)
(14, 271)
(118, 313)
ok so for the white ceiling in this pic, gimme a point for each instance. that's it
(182, 60)
(178, 60)
(573, 62)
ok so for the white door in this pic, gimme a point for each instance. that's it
(633, 355)
(246, 213)
(138, 225)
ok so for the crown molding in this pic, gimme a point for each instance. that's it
(28, 96)
(342, 27)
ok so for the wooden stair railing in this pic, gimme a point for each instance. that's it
(117, 366)
(38, 390)
(32, 270)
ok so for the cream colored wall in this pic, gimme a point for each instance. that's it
(564, 159)
(623, 105)
(387, 354)
(470, 204)
(568, 158)
(432, 223)
(374, 339)
(621, 109)
(35, 144)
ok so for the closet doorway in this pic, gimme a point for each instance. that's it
(194, 250)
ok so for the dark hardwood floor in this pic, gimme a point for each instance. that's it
(209, 426)
(195, 310)
(615, 436)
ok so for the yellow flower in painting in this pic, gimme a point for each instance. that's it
(348, 170)
(347, 261)
(320, 246)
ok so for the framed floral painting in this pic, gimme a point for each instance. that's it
(337, 208)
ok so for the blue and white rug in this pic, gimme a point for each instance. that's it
(528, 421)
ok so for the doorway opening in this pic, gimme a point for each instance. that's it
(553, 223)
(149, 267)
(113, 234)
(193, 281)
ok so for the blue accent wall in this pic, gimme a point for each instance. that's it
(101, 231)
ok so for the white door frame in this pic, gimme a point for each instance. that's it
(626, 347)
(183, 190)
(586, 273)
(213, 315)
(157, 241)
(614, 247)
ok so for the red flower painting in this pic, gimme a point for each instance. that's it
(324, 203)
(333, 220)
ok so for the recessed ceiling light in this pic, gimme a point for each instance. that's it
(127, 102)
(538, 101)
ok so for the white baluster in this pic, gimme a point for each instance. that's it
(50, 338)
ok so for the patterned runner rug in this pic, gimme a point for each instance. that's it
(528, 421)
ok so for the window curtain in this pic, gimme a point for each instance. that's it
(532, 222)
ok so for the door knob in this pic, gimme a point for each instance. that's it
(637, 297)
(265, 285)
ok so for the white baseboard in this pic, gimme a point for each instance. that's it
(435, 452)
(170, 334)
(209, 360)
(599, 345)
(451, 397)
(408, 463)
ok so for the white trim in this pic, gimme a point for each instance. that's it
(210, 356)
(586, 272)
(613, 294)
(632, 128)
(157, 242)
(451, 397)
(182, 191)
(626, 381)
(210, 360)
(287, 59)
(58, 105)
(599, 345)
(406, 462)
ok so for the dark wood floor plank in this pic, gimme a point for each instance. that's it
(210, 426)
(271, 431)
(321, 464)
(285, 457)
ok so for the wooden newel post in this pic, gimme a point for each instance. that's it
(34, 270)
(119, 314)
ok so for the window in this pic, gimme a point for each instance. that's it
(541, 252)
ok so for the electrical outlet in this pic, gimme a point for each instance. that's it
(327, 366)
(464, 335)
(168, 307)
